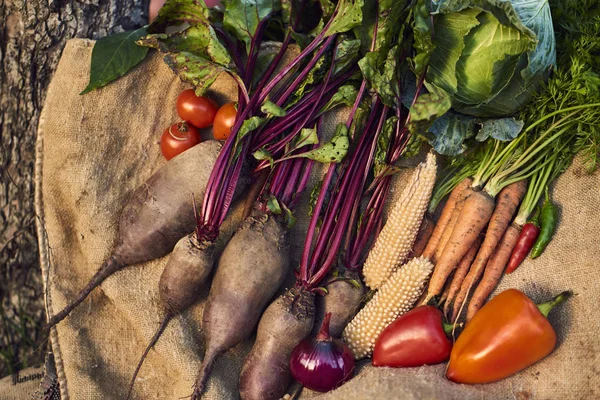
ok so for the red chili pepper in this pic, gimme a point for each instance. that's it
(414, 339)
(528, 236)
(507, 335)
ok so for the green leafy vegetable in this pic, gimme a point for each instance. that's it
(307, 137)
(383, 145)
(345, 95)
(333, 151)
(388, 15)
(346, 53)
(348, 16)
(503, 129)
(423, 44)
(360, 118)
(314, 76)
(290, 219)
(243, 16)
(249, 125)
(273, 205)
(449, 133)
(178, 12)
(427, 109)
(383, 77)
(328, 7)
(489, 55)
(196, 70)
(263, 154)
(199, 40)
(272, 109)
(113, 56)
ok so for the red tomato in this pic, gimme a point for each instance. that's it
(224, 121)
(197, 110)
(178, 138)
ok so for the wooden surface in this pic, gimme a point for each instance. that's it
(32, 36)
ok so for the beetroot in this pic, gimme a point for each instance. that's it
(342, 300)
(250, 270)
(157, 215)
(265, 374)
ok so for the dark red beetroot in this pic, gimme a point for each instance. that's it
(322, 363)
(251, 269)
(414, 339)
(157, 215)
(265, 374)
(180, 284)
(342, 300)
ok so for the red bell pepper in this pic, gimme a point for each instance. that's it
(507, 335)
(414, 339)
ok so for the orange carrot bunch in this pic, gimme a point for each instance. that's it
(480, 224)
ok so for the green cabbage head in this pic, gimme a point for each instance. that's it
(490, 55)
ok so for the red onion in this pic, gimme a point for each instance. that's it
(322, 363)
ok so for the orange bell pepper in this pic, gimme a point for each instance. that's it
(507, 335)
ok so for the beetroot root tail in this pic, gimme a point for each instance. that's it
(157, 335)
(109, 267)
(204, 374)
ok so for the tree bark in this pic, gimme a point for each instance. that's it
(32, 36)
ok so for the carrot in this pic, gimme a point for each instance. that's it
(423, 237)
(444, 294)
(459, 192)
(460, 273)
(509, 199)
(475, 214)
(460, 203)
(507, 203)
(493, 270)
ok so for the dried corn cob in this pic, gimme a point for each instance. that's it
(398, 236)
(397, 296)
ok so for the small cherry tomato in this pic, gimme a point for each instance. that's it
(197, 110)
(224, 121)
(178, 138)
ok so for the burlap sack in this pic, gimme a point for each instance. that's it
(22, 385)
(94, 149)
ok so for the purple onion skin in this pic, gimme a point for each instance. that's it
(322, 364)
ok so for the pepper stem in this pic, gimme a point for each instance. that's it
(448, 328)
(545, 308)
(324, 331)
